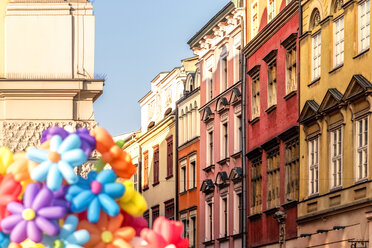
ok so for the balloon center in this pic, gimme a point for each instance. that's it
(96, 187)
(54, 157)
(107, 237)
(28, 214)
(58, 244)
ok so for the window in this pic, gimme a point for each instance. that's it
(169, 209)
(313, 165)
(362, 148)
(292, 170)
(223, 217)
(238, 134)
(336, 157)
(169, 156)
(155, 213)
(209, 84)
(316, 56)
(271, 84)
(273, 178)
(256, 185)
(183, 186)
(255, 96)
(254, 13)
(236, 54)
(291, 69)
(192, 174)
(193, 232)
(209, 222)
(224, 82)
(135, 181)
(364, 12)
(156, 164)
(210, 148)
(225, 148)
(238, 212)
(271, 9)
(338, 42)
(146, 216)
(146, 169)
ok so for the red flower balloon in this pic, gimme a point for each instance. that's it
(165, 233)
(10, 190)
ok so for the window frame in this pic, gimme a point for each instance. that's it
(271, 9)
(224, 70)
(313, 178)
(272, 83)
(256, 104)
(169, 156)
(336, 42)
(361, 48)
(254, 19)
(156, 164)
(183, 173)
(316, 58)
(192, 172)
(359, 168)
(210, 147)
(336, 160)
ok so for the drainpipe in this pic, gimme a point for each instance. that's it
(176, 167)
(139, 174)
(244, 164)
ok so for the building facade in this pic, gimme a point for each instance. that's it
(218, 45)
(272, 131)
(335, 195)
(157, 143)
(46, 68)
(188, 144)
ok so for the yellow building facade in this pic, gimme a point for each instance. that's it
(335, 120)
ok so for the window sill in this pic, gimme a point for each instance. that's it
(271, 211)
(208, 243)
(271, 109)
(336, 68)
(254, 216)
(154, 184)
(290, 95)
(290, 204)
(209, 168)
(254, 120)
(145, 188)
(237, 235)
(335, 189)
(237, 154)
(223, 239)
(192, 189)
(361, 181)
(314, 81)
(224, 161)
(169, 177)
(183, 193)
(361, 53)
(313, 196)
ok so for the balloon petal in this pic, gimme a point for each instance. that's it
(44, 198)
(31, 192)
(106, 176)
(108, 205)
(69, 143)
(115, 190)
(115, 223)
(40, 172)
(79, 237)
(126, 233)
(52, 212)
(37, 155)
(73, 191)
(47, 226)
(19, 232)
(15, 207)
(54, 179)
(75, 157)
(55, 142)
(82, 201)
(94, 211)
(69, 226)
(67, 172)
(33, 232)
(10, 222)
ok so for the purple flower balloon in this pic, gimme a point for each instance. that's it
(88, 143)
(34, 217)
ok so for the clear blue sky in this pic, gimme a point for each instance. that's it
(135, 40)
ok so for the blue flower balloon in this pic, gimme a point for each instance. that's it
(59, 162)
(4, 240)
(97, 192)
(68, 236)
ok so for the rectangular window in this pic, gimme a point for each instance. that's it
(169, 209)
(254, 21)
(256, 185)
(236, 54)
(316, 56)
(338, 42)
(223, 218)
(238, 212)
(238, 134)
(156, 164)
(169, 156)
(209, 85)
(192, 174)
(362, 148)
(146, 216)
(135, 181)
(273, 178)
(291, 70)
(292, 154)
(209, 221)
(183, 186)
(146, 169)
(224, 82)
(193, 232)
(255, 96)
(336, 157)
(271, 9)
(313, 146)
(364, 13)
(210, 148)
(271, 84)
(225, 138)
(155, 213)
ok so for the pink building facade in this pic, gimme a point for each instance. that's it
(218, 45)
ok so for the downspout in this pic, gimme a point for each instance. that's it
(139, 175)
(244, 169)
(176, 167)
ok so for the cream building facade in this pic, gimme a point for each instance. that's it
(47, 68)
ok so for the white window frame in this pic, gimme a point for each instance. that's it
(313, 161)
(316, 55)
(183, 177)
(209, 227)
(271, 84)
(290, 86)
(184, 220)
(210, 153)
(336, 161)
(192, 184)
(192, 238)
(224, 80)
(224, 143)
(254, 24)
(361, 162)
(237, 191)
(238, 133)
(364, 9)
(271, 10)
(338, 41)
(236, 55)
(256, 104)
(224, 214)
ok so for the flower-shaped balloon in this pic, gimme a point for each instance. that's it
(97, 192)
(119, 160)
(21, 167)
(9, 192)
(137, 223)
(107, 233)
(4, 240)
(6, 158)
(59, 162)
(132, 202)
(26, 244)
(69, 237)
(165, 234)
(50, 132)
(34, 217)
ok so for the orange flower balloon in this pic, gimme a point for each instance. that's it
(108, 233)
(119, 160)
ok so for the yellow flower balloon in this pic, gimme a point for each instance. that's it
(26, 244)
(6, 159)
(132, 202)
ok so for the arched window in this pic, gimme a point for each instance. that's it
(315, 18)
